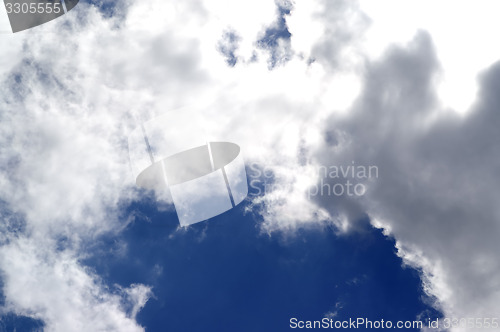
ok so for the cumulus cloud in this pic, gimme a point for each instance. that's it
(64, 176)
(69, 100)
(49, 285)
(436, 191)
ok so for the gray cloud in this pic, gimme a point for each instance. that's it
(70, 99)
(437, 189)
(343, 23)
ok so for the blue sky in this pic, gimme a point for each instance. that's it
(225, 275)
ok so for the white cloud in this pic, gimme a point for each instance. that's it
(53, 286)
(69, 100)
(460, 31)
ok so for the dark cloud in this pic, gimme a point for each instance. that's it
(437, 189)
(384, 120)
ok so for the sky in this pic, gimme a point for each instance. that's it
(369, 134)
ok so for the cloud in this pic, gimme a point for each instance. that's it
(68, 103)
(436, 192)
(45, 284)
(459, 47)
(64, 177)
(70, 99)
